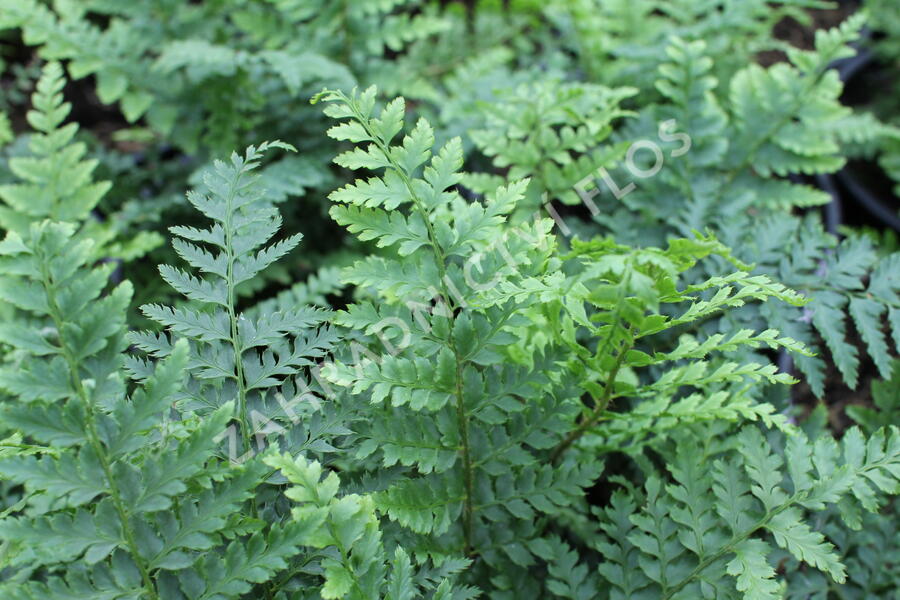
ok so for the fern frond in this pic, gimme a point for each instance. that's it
(251, 354)
(552, 134)
(56, 179)
(692, 532)
(845, 282)
(358, 569)
(431, 296)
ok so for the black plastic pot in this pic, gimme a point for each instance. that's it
(856, 192)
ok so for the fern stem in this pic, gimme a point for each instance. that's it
(240, 382)
(609, 385)
(94, 436)
(727, 548)
(232, 317)
(597, 412)
(468, 510)
(737, 539)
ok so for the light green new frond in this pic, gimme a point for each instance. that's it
(653, 420)
(753, 574)
(623, 298)
(358, 569)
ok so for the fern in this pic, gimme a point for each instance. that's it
(55, 180)
(884, 18)
(886, 404)
(625, 292)
(844, 281)
(74, 37)
(797, 102)
(482, 423)
(349, 524)
(91, 502)
(109, 474)
(619, 42)
(247, 366)
(235, 358)
(198, 91)
(731, 168)
(869, 552)
(138, 533)
(537, 130)
(789, 144)
(464, 399)
(133, 534)
(746, 495)
(434, 386)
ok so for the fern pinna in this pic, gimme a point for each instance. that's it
(480, 341)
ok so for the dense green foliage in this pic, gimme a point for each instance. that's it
(535, 343)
